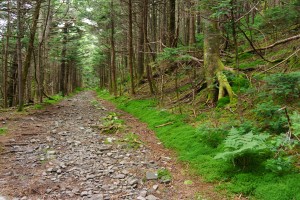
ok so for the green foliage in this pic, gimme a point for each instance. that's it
(211, 136)
(239, 148)
(239, 82)
(275, 188)
(54, 99)
(187, 142)
(175, 54)
(223, 102)
(164, 175)
(280, 165)
(251, 64)
(3, 130)
(37, 106)
(132, 140)
(281, 17)
(271, 117)
(112, 124)
(284, 86)
(200, 41)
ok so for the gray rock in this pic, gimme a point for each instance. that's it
(151, 175)
(84, 193)
(143, 193)
(48, 190)
(120, 176)
(133, 181)
(155, 187)
(2, 198)
(97, 197)
(140, 198)
(151, 197)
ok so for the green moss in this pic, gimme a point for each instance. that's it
(199, 153)
(3, 130)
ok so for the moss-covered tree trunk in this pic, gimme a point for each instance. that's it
(217, 82)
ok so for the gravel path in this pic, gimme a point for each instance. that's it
(58, 154)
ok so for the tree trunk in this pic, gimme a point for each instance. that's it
(19, 56)
(63, 60)
(172, 25)
(5, 72)
(213, 65)
(130, 47)
(30, 49)
(140, 59)
(113, 52)
(146, 61)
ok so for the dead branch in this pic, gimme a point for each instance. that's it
(166, 124)
(274, 44)
(281, 61)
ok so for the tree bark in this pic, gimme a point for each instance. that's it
(30, 48)
(172, 25)
(64, 60)
(5, 72)
(130, 47)
(213, 65)
(113, 51)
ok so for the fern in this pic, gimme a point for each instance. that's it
(239, 146)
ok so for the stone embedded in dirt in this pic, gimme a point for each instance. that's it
(155, 187)
(133, 181)
(143, 193)
(85, 164)
(84, 193)
(151, 175)
(151, 197)
(97, 197)
(2, 198)
(120, 176)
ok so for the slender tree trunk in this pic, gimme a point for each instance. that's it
(140, 59)
(30, 48)
(146, 61)
(172, 25)
(192, 31)
(130, 47)
(64, 60)
(5, 72)
(19, 56)
(113, 51)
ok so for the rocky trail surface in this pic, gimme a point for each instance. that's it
(59, 153)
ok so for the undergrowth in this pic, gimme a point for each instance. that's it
(199, 147)
(3, 131)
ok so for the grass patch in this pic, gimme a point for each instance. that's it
(3, 130)
(199, 151)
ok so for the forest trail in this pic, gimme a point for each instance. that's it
(56, 153)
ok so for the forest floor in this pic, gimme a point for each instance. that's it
(57, 153)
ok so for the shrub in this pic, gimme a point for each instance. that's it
(241, 148)
(271, 117)
(280, 165)
(284, 86)
(213, 137)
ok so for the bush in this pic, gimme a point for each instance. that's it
(271, 117)
(281, 17)
(280, 165)
(284, 86)
(211, 136)
(241, 148)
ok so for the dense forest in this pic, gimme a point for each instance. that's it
(218, 81)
